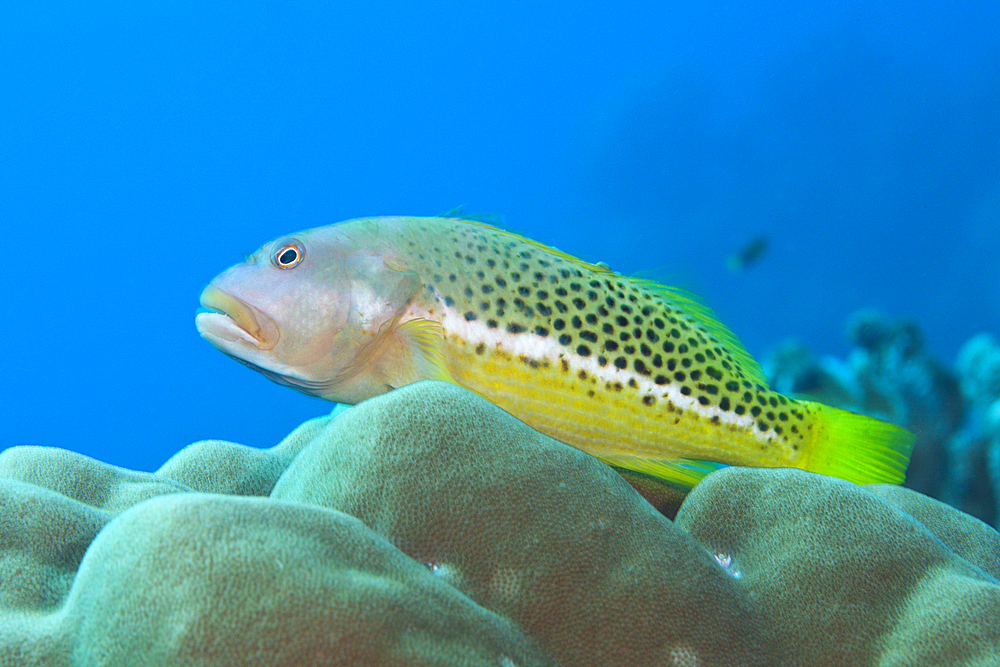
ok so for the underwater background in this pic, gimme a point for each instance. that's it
(145, 147)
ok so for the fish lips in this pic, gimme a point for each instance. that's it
(227, 319)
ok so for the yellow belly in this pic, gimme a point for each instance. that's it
(605, 419)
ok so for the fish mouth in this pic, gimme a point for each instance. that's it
(228, 319)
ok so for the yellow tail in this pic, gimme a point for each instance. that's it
(857, 448)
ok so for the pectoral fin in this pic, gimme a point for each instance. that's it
(423, 341)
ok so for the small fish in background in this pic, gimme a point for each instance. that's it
(640, 375)
(748, 255)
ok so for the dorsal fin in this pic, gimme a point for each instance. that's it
(693, 306)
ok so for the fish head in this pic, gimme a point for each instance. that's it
(308, 310)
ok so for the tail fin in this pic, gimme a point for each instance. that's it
(860, 449)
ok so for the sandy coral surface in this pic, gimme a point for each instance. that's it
(428, 527)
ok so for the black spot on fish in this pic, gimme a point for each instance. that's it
(514, 328)
(724, 403)
(565, 339)
(583, 350)
(558, 324)
(588, 336)
(648, 400)
(469, 315)
(541, 331)
(620, 362)
(577, 322)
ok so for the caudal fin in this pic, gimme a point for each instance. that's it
(857, 448)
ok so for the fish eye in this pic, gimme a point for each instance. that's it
(288, 255)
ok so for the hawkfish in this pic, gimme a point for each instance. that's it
(640, 375)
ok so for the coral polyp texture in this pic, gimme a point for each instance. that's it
(428, 527)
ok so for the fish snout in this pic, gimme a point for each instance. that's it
(230, 319)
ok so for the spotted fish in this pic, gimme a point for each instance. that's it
(639, 375)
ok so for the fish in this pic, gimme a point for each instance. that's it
(751, 253)
(640, 375)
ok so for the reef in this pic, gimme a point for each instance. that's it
(889, 374)
(428, 527)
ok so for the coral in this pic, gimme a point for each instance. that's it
(900, 380)
(979, 369)
(890, 375)
(427, 526)
(853, 576)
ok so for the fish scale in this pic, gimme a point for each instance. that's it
(641, 375)
(640, 349)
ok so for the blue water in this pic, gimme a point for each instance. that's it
(144, 147)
